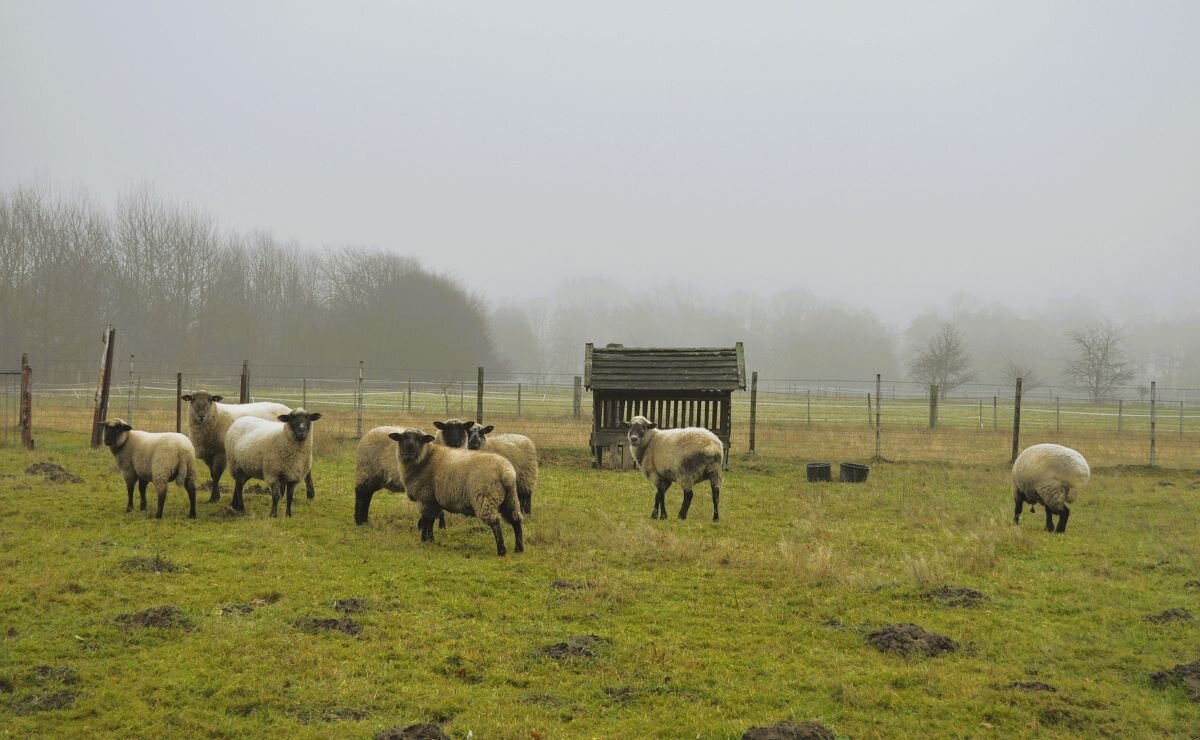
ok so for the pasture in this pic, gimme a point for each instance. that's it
(610, 624)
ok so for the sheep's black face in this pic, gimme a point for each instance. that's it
(638, 426)
(300, 422)
(454, 432)
(411, 441)
(114, 429)
(201, 403)
(477, 436)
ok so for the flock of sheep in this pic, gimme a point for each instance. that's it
(464, 468)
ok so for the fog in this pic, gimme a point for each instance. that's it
(1017, 168)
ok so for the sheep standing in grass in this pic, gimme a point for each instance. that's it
(685, 456)
(377, 467)
(277, 452)
(1050, 475)
(471, 483)
(150, 457)
(518, 450)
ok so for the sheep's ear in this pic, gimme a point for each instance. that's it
(396, 436)
(426, 439)
(125, 427)
(217, 398)
(186, 397)
(314, 417)
(488, 429)
(285, 418)
(652, 425)
(623, 424)
(439, 425)
(467, 425)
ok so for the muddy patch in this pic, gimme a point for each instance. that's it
(53, 473)
(1186, 675)
(345, 625)
(1029, 686)
(160, 617)
(563, 585)
(44, 702)
(422, 731)
(790, 731)
(955, 597)
(907, 639)
(579, 646)
(156, 564)
(351, 606)
(63, 674)
(1177, 614)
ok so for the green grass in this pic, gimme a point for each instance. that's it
(709, 628)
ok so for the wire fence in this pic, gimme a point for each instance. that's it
(796, 419)
(10, 405)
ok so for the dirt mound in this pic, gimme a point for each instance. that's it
(53, 473)
(906, 639)
(956, 596)
(64, 674)
(156, 564)
(566, 585)
(351, 606)
(44, 702)
(790, 731)
(1186, 675)
(579, 646)
(422, 731)
(1178, 614)
(162, 617)
(1030, 686)
(348, 626)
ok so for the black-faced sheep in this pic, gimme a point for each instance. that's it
(377, 467)
(685, 456)
(277, 452)
(518, 450)
(209, 420)
(452, 432)
(1050, 475)
(472, 483)
(152, 457)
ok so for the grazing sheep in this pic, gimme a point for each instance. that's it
(277, 452)
(1050, 475)
(377, 467)
(452, 432)
(209, 420)
(518, 450)
(472, 483)
(150, 457)
(686, 456)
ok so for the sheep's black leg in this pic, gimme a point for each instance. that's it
(308, 486)
(362, 503)
(142, 492)
(275, 498)
(716, 491)
(216, 469)
(291, 491)
(687, 503)
(1019, 505)
(162, 498)
(501, 550)
(526, 499)
(1062, 520)
(518, 530)
(441, 522)
(129, 489)
(237, 504)
(1049, 519)
(189, 485)
(660, 500)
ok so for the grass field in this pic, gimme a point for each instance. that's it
(703, 629)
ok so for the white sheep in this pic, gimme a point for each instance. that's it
(209, 420)
(1050, 475)
(472, 483)
(152, 457)
(686, 456)
(277, 452)
(518, 450)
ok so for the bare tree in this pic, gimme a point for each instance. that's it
(1099, 365)
(943, 360)
(1030, 378)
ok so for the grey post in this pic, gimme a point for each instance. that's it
(1057, 416)
(1120, 414)
(753, 406)
(244, 391)
(878, 406)
(410, 396)
(577, 407)
(104, 385)
(129, 394)
(933, 409)
(808, 402)
(518, 400)
(995, 404)
(1153, 422)
(868, 408)
(479, 397)
(304, 392)
(1016, 422)
(178, 401)
(26, 403)
(358, 401)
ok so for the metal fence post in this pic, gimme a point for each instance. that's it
(479, 397)
(1153, 422)
(753, 406)
(1016, 422)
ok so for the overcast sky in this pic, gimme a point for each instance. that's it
(890, 153)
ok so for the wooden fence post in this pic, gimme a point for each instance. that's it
(244, 390)
(1057, 416)
(981, 413)
(304, 392)
(933, 406)
(518, 400)
(1016, 422)
(410, 396)
(103, 384)
(577, 408)
(26, 412)
(1181, 418)
(1153, 422)
(753, 407)
(868, 408)
(479, 397)
(178, 402)
(878, 407)
(1120, 414)
(129, 394)
(995, 406)
(808, 405)
(358, 401)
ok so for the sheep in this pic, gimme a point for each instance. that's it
(151, 457)
(452, 432)
(472, 483)
(209, 420)
(375, 468)
(1050, 475)
(518, 450)
(686, 456)
(277, 452)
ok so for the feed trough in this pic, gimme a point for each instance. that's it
(854, 472)
(820, 472)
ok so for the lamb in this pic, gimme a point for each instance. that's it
(518, 450)
(277, 452)
(452, 432)
(150, 457)
(375, 468)
(1050, 475)
(472, 483)
(686, 456)
(208, 422)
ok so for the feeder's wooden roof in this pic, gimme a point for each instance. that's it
(664, 368)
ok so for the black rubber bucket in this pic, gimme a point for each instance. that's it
(854, 472)
(820, 472)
